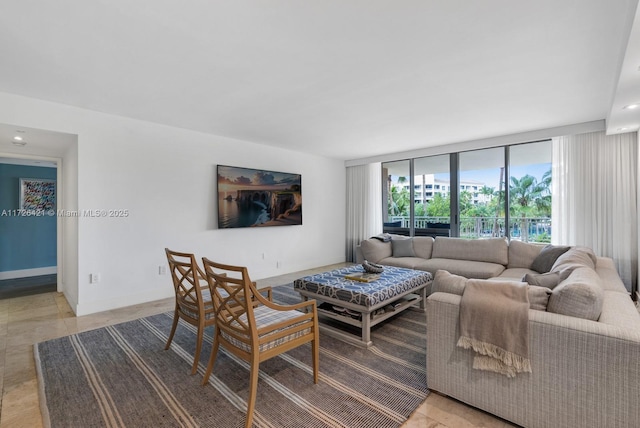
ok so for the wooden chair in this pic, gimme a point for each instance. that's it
(193, 298)
(253, 328)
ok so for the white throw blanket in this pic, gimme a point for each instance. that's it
(494, 322)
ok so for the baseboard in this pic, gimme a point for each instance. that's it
(25, 273)
(121, 302)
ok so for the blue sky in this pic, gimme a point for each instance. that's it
(490, 177)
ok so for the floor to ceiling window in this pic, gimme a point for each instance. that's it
(432, 195)
(482, 196)
(396, 197)
(530, 191)
(477, 194)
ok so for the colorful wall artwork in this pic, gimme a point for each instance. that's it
(37, 194)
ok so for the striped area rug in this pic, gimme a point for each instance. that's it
(120, 376)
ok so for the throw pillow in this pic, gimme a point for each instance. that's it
(589, 252)
(576, 257)
(446, 282)
(374, 250)
(522, 254)
(538, 297)
(547, 257)
(580, 296)
(548, 280)
(402, 248)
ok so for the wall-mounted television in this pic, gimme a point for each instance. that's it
(257, 198)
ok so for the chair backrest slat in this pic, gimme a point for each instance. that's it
(233, 299)
(186, 275)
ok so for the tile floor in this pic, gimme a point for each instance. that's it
(32, 319)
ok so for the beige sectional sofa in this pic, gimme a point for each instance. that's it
(584, 348)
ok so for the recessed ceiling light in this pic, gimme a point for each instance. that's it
(17, 138)
(631, 106)
(622, 129)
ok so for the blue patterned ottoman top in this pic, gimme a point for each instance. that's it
(393, 281)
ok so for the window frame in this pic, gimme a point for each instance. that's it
(455, 188)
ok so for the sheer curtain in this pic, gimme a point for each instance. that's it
(364, 205)
(595, 197)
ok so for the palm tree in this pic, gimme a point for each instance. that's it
(527, 193)
(388, 198)
(398, 197)
(402, 180)
(487, 191)
(390, 195)
(398, 201)
(500, 195)
(543, 204)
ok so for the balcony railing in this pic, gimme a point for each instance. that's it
(527, 229)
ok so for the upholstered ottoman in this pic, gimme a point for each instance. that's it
(363, 304)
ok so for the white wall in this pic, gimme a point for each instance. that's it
(166, 177)
(68, 226)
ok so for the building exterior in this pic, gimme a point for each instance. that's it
(426, 186)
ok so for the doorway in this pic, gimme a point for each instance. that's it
(28, 227)
(59, 152)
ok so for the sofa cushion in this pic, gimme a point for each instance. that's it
(607, 271)
(402, 248)
(423, 246)
(522, 254)
(403, 262)
(466, 268)
(374, 250)
(446, 282)
(618, 309)
(514, 274)
(549, 279)
(493, 250)
(575, 257)
(580, 295)
(547, 257)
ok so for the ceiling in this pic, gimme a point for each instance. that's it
(41, 148)
(344, 79)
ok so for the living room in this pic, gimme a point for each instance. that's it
(121, 150)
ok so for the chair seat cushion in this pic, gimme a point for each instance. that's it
(266, 316)
(208, 306)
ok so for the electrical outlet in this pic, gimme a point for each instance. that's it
(278, 264)
(162, 270)
(94, 278)
(264, 256)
